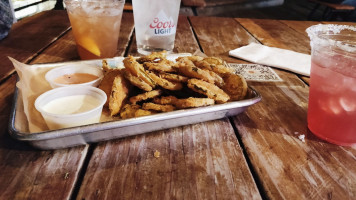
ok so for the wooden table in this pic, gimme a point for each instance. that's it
(255, 155)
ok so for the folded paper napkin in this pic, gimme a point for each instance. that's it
(280, 58)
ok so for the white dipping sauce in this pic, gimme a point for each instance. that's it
(71, 104)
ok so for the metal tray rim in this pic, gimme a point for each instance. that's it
(61, 133)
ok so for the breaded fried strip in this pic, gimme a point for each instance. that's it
(136, 69)
(107, 82)
(173, 77)
(145, 96)
(208, 89)
(187, 68)
(153, 56)
(168, 100)
(192, 102)
(132, 66)
(162, 66)
(119, 94)
(165, 83)
(158, 107)
(142, 112)
(105, 66)
(192, 58)
(214, 60)
(217, 79)
(235, 86)
(130, 111)
(136, 81)
(216, 68)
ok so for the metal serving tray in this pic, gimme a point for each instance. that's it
(69, 137)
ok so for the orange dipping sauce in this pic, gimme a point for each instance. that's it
(76, 78)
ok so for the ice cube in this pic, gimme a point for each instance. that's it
(335, 106)
(330, 106)
(347, 104)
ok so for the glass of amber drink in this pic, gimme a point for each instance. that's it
(95, 26)
(332, 95)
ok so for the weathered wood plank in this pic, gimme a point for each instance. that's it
(185, 41)
(29, 36)
(229, 35)
(299, 26)
(201, 161)
(27, 173)
(287, 167)
(276, 34)
(282, 34)
(49, 174)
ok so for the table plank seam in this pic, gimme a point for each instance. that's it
(35, 55)
(195, 35)
(253, 172)
(131, 40)
(81, 174)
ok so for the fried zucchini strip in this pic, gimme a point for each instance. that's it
(158, 107)
(130, 111)
(137, 81)
(235, 86)
(192, 102)
(107, 82)
(136, 69)
(173, 77)
(165, 83)
(162, 66)
(208, 89)
(119, 94)
(145, 96)
(168, 100)
(187, 68)
(153, 56)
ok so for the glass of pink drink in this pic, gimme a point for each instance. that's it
(95, 26)
(332, 95)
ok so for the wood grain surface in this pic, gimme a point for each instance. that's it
(283, 34)
(255, 155)
(230, 35)
(30, 36)
(202, 161)
(289, 168)
(26, 173)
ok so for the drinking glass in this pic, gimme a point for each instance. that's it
(155, 24)
(95, 26)
(332, 96)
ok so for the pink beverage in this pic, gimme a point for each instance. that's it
(95, 26)
(332, 95)
(155, 24)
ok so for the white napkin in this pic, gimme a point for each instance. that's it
(280, 58)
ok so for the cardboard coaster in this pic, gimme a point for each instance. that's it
(256, 72)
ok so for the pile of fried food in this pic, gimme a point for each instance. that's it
(152, 84)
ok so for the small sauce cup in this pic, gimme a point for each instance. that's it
(74, 74)
(71, 106)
